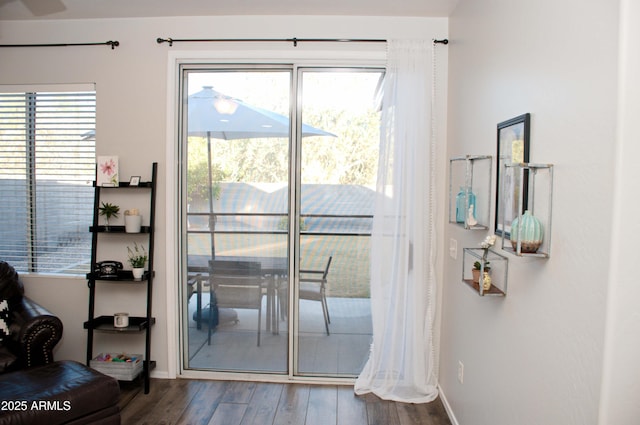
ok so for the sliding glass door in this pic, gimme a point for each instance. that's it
(237, 202)
(337, 182)
(278, 165)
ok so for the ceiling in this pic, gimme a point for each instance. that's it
(96, 9)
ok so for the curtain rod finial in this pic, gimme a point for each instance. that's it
(169, 40)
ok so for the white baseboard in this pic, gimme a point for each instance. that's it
(160, 374)
(447, 407)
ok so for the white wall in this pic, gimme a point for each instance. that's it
(132, 99)
(535, 356)
(621, 373)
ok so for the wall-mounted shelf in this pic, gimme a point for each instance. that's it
(498, 265)
(530, 202)
(470, 186)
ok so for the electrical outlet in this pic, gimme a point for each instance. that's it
(460, 372)
(453, 248)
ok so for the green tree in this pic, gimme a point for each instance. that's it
(198, 172)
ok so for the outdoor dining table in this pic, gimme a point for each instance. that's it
(274, 269)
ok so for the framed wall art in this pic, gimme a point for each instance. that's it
(513, 147)
(108, 171)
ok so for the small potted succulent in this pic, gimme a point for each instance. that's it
(476, 270)
(137, 258)
(108, 210)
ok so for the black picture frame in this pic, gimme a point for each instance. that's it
(513, 146)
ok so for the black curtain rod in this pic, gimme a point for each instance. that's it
(294, 40)
(113, 44)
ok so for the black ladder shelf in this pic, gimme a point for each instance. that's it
(139, 324)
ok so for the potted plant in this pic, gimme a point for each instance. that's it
(137, 258)
(108, 210)
(476, 270)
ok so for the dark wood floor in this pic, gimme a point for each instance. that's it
(182, 401)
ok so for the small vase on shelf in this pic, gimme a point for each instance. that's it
(462, 198)
(108, 210)
(486, 282)
(529, 230)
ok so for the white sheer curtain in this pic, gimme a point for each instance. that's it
(402, 362)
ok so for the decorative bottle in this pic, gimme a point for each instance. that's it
(530, 232)
(486, 281)
(462, 207)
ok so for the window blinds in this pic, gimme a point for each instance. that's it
(47, 165)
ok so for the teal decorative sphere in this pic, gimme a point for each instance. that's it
(531, 233)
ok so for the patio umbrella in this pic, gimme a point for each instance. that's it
(212, 114)
(215, 115)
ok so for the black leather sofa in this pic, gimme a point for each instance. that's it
(33, 331)
(35, 389)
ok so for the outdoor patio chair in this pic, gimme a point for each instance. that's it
(314, 289)
(194, 286)
(197, 283)
(236, 284)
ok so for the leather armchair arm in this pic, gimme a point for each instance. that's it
(37, 333)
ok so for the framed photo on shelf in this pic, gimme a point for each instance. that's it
(134, 181)
(107, 171)
(513, 148)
